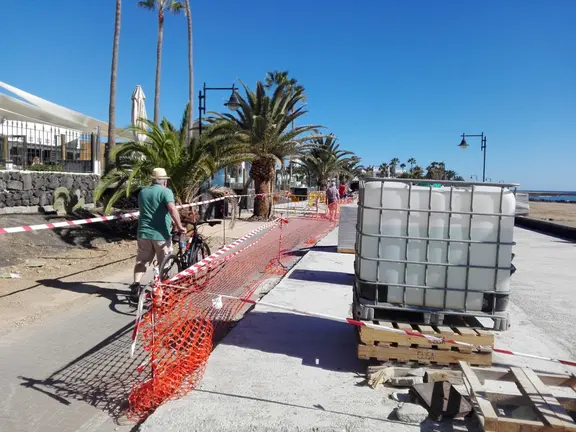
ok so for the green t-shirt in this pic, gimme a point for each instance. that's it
(155, 221)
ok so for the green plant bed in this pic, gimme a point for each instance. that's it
(46, 167)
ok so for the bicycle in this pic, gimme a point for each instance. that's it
(190, 251)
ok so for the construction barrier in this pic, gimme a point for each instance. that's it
(185, 321)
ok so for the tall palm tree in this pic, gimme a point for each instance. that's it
(393, 164)
(113, 78)
(402, 166)
(189, 164)
(276, 78)
(412, 162)
(160, 6)
(325, 160)
(263, 121)
(190, 67)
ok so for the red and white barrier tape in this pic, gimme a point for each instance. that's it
(218, 301)
(124, 216)
(78, 222)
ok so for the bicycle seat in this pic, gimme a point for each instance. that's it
(213, 223)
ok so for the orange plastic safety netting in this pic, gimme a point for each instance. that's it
(184, 323)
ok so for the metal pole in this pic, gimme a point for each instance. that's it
(483, 147)
(200, 97)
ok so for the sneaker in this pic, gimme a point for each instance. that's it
(135, 290)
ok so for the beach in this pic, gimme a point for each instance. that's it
(562, 213)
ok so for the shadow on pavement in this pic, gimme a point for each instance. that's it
(323, 276)
(318, 342)
(101, 377)
(116, 297)
(39, 283)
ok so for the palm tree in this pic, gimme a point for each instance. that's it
(325, 160)
(393, 163)
(189, 165)
(436, 171)
(160, 6)
(417, 172)
(384, 169)
(352, 169)
(402, 166)
(113, 77)
(188, 11)
(412, 162)
(263, 121)
(276, 78)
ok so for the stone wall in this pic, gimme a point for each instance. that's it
(31, 188)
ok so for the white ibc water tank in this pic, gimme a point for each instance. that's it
(397, 246)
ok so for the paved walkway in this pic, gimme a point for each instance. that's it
(278, 369)
(71, 371)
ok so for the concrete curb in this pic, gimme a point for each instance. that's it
(545, 227)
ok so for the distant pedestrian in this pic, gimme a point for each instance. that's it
(157, 213)
(332, 198)
(342, 190)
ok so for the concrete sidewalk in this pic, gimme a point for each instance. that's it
(282, 371)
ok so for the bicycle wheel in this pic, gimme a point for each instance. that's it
(199, 251)
(170, 267)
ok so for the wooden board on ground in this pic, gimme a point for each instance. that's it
(346, 250)
(385, 345)
(548, 400)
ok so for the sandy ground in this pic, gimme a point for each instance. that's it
(562, 213)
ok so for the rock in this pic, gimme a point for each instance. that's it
(44, 201)
(68, 182)
(34, 201)
(411, 413)
(406, 381)
(2, 185)
(14, 185)
(26, 181)
(416, 372)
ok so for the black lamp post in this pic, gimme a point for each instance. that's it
(232, 103)
(464, 145)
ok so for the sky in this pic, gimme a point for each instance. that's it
(391, 78)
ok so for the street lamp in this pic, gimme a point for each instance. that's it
(232, 103)
(464, 145)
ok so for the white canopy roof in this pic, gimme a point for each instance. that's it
(43, 111)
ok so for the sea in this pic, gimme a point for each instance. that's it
(552, 196)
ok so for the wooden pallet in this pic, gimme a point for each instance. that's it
(384, 345)
(553, 409)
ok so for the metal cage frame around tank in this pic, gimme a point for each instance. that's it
(419, 182)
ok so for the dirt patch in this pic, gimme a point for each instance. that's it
(562, 213)
(60, 267)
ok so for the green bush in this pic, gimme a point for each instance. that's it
(46, 167)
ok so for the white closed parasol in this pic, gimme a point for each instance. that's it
(139, 111)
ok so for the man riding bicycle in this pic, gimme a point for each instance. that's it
(157, 213)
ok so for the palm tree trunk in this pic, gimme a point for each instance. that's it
(113, 74)
(158, 66)
(190, 71)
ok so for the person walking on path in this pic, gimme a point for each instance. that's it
(157, 213)
(342, 190)
(332, 198)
